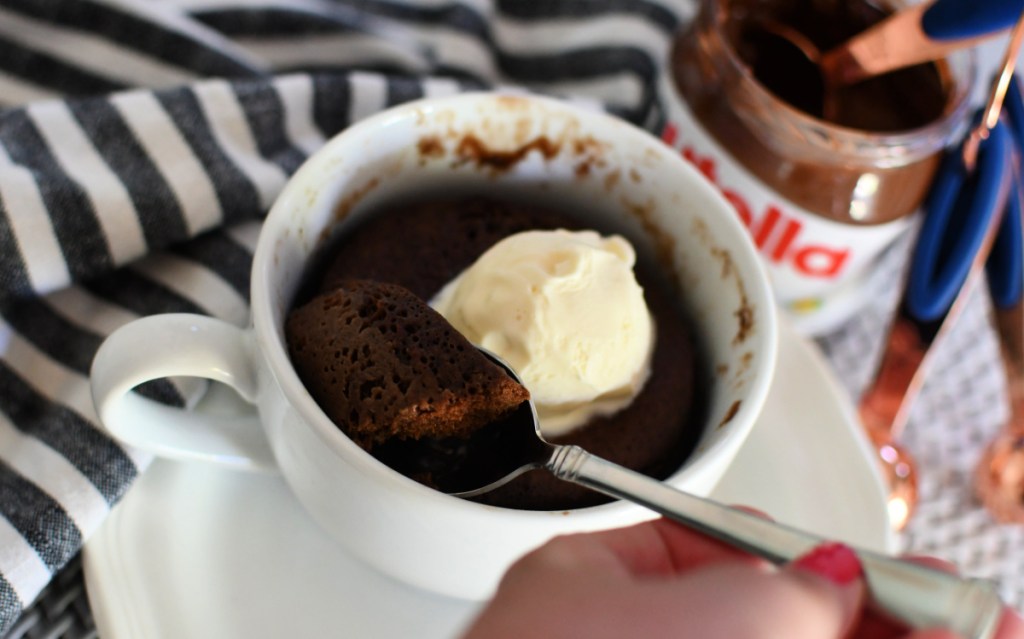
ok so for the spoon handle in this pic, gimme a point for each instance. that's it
(955, 19)
(920, 596)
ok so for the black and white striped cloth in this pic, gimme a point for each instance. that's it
(141, 141)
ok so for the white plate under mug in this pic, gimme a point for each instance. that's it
(197, 551)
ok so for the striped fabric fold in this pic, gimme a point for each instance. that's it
(141, 143)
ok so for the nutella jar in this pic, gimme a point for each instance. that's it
(822, 197)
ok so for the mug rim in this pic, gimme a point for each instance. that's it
(271, 342)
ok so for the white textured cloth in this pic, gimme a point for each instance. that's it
(961, 407)
(141, 142)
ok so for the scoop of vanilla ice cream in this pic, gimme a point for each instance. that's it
(564, 309)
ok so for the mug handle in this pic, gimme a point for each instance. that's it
(180, 344)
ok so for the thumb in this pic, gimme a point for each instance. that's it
(736, 601)
(839, 567)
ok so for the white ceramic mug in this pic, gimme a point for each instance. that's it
(574, 157)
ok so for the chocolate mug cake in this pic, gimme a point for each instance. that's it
(605, 175)
(384, 364)
(417, 249)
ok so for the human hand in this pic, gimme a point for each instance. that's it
(659, 579)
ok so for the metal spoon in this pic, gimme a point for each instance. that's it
(999, 474)
(920, 596)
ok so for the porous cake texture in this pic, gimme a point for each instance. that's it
(382, 364)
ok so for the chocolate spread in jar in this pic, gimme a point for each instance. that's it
(713, 64)
(900, 100)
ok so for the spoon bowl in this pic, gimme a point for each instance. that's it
(999, 474)
(899, 472)
(999, 477)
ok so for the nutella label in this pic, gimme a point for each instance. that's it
(812, 261)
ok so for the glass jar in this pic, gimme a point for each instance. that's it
(822, 198)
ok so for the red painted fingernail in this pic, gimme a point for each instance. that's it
(833, 561)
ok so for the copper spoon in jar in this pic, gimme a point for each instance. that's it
(918, 595)
(999, 475)
(919, 33)
(963, 215)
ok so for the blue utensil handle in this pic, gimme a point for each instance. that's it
(958, 214)
(1005, 267)
(956, 19)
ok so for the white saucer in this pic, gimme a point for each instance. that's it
(195, 551)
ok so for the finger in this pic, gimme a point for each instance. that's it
(838, 565)
(731, 599)
(736, 601)
(872, 625)
(728, 600)
(1010, 626)
(665, 547)
(659, 547)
